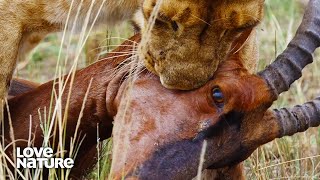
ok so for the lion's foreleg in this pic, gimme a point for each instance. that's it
(10, 37)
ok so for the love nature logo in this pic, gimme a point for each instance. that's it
(32, 158)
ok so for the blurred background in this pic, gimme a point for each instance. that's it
(296, 157)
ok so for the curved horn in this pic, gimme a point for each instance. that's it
(288, 66)
(284, 122)
(257, 130)
(298, 118)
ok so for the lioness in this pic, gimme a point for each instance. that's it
(189, 38)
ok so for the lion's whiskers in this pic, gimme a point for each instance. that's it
(242, 45)
(200, 19)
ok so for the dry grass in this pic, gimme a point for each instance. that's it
(296, 157)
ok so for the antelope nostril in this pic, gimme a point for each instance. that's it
(205, 125)
(204, 129)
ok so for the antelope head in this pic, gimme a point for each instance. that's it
(159, 133)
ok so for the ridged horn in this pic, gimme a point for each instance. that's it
(287, 67)
(298, 118)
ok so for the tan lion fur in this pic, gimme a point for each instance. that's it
(190, 37)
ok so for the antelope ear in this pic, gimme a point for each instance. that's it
(279, 122)
(20, 86)
(113, 90)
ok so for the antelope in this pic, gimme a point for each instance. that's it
(164, 130)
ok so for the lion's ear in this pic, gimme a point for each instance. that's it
(138, 21)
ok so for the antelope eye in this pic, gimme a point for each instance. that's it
(217, 96)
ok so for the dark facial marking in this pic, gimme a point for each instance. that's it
(231, 119)
(178, 157)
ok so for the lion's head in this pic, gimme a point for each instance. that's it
(191, 37)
